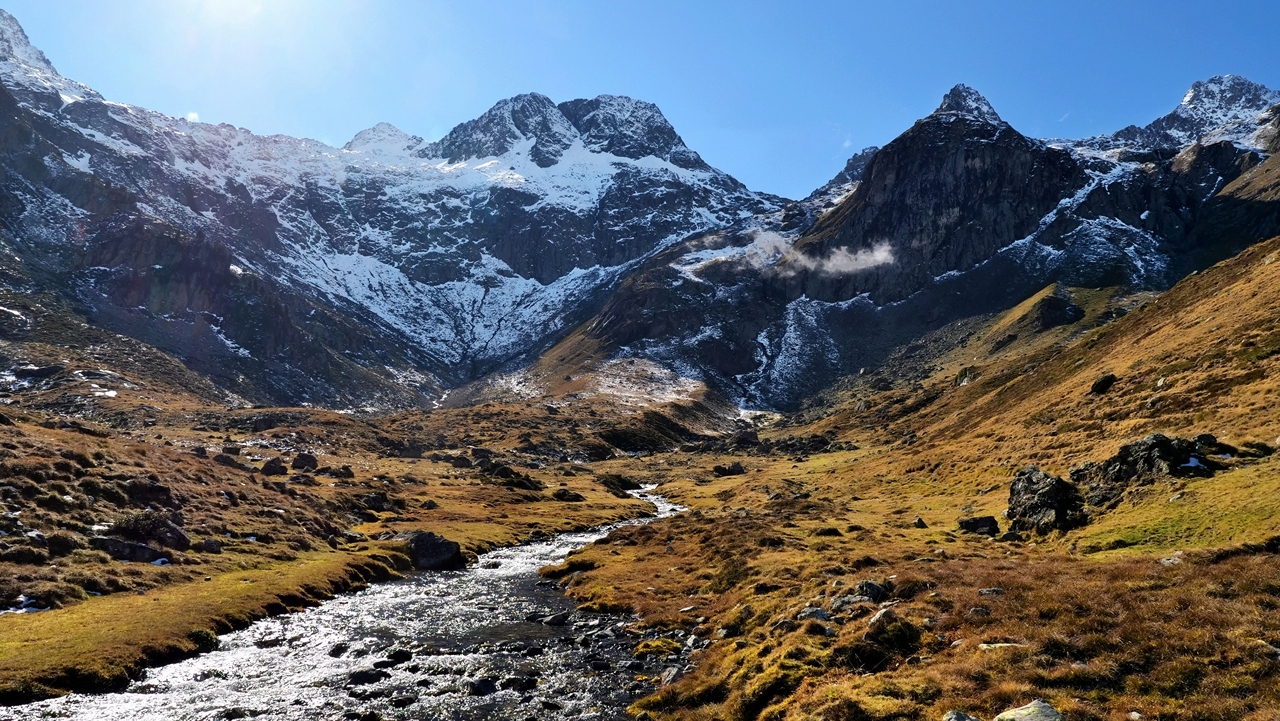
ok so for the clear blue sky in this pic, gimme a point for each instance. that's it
(778, 94)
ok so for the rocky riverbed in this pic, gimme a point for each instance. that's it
(491, 641)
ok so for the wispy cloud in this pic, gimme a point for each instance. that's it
(769, 248)
(1064, 117)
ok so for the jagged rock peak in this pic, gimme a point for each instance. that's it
(964, 100)
(17, 49)
(531, 116)
(611, 124)
(383, 138)
(628, 128)
(1224, 98)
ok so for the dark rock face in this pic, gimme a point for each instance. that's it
(943, 196)
(1143, 462)
(430, 552)
(959, 216)
(1041, 503)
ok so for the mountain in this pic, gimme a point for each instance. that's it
(374, 275)
(1223, 107)
(959, 216)
(387, 272)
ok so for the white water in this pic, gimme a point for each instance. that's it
(463, 627)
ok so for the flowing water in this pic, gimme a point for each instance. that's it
(474, 655)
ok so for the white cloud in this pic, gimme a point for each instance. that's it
(768, 248)
(193, 116)
(848, 143)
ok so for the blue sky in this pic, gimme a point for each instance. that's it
(777, 94)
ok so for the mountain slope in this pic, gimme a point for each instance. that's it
(434, 263)
(959, 216)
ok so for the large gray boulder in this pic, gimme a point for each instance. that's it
(429, 552)
(1035, 711)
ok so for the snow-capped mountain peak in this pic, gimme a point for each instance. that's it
(964, 100)
(1224, 107)
(499, 129)
(22, 65)
(628, 128)
(383, 138)
(1224, 98)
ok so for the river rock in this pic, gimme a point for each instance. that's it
(1035, 711)
(482, 687)
(365, 676)
(429, 552)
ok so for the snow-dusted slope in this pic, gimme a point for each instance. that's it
(474, 249)
(960, 215)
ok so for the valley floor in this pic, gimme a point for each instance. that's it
(821, 571)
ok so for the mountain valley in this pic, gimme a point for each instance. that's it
(985, 421)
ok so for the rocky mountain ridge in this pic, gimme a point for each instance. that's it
(382, 273)
(435, 263)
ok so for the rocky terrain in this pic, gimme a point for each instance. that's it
(984, 427)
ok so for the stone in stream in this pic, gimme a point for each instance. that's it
(482, 687)
(521, 684)
(365, 676)
(429, 552)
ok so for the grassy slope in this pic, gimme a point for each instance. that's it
(1098, 632)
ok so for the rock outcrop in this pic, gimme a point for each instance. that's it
(1041, 503)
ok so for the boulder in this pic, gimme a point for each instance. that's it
(982, 525)
(1143, 462)
(229, 461)
(1043, 503)
(813, 612)
(1035, 711)
(568, 496)
(365, 676)
(959, 716)
(733, 469)
(430, 552)
(304, 462)
(871, 590)
(1103, 384)
(121, 550)
(275, 467)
